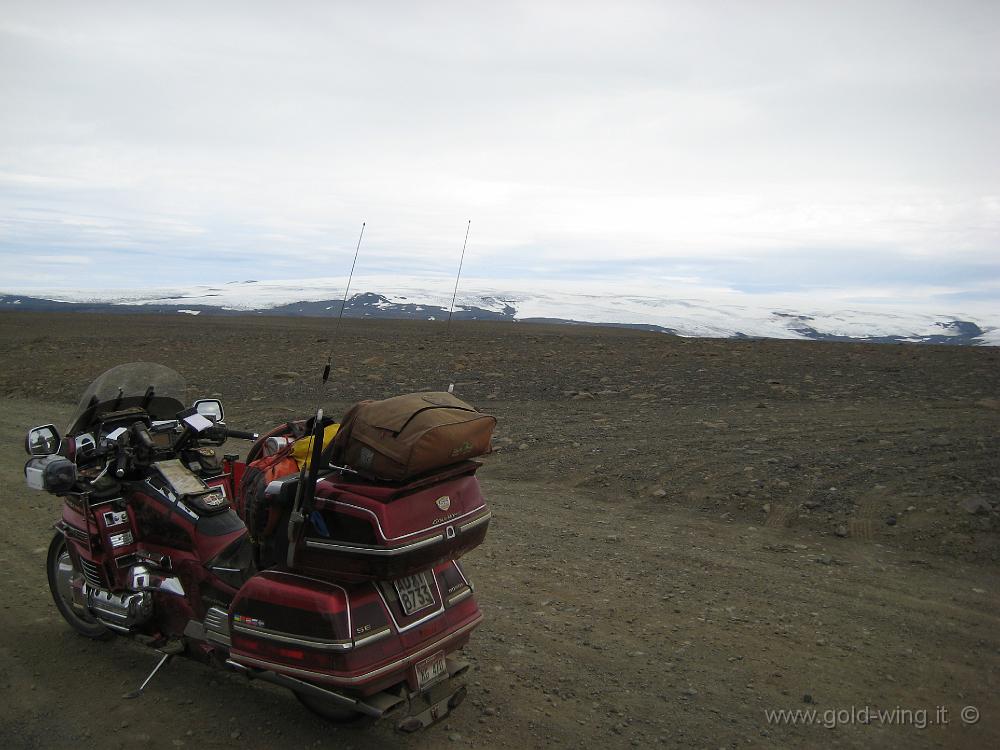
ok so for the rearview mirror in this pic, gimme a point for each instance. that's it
(42, 441)
(210, 408)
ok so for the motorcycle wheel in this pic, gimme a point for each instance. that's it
(342, 717)
(59, 566)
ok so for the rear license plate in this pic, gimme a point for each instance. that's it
(414, 593)
(430, 670)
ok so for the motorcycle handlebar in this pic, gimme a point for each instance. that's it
(241, 435)
(121, 458)
(143, 434)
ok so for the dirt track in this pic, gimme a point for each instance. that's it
(665, 561)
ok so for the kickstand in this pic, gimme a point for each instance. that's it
(137, 693)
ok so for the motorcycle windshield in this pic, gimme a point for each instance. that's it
(127, 386)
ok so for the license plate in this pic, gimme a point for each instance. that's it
(430, 670)
(414, 593)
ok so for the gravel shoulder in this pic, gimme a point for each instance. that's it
(647, 580)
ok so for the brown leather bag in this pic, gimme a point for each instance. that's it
(405, 436)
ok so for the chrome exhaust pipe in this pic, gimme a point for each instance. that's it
(300, 686)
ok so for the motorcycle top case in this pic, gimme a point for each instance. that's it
(364, 531)
(402, 437)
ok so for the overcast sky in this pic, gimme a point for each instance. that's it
(762, 146)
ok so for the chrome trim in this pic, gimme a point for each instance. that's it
(121, 540)
(99, 503)
(144, 579)
(422, 620)
(141, 577)
(392, 551)
(316, 643)
(114, 627)
(462, 573)
(115, 518)
(275, 635)
(217, 625)
(172, 585)
(472, 524)
(92, 573)
(73, 532)
(412, 533)
(360, 549)
(126, 610)
(455, 598)
(323, 677)
(378, 635)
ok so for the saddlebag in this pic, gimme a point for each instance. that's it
(403, 437)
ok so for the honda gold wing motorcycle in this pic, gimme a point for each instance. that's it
(325, 579)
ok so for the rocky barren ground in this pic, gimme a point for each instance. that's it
(687, 533)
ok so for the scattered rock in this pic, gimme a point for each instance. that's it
(841, 531)
(976, 506)
(659, 492)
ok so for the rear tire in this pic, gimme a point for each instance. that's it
(338, 715)
(61, 572)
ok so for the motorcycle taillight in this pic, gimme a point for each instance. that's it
(280, 610)
(288, 655)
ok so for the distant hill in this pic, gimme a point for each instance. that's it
(412, 300)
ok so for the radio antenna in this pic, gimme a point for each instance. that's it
(454, 295)
(347, 289)
(451, 310)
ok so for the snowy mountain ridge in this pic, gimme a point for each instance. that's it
(713, 313)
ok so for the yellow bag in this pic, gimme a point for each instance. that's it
(302, 448)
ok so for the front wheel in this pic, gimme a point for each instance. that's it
(61, 573)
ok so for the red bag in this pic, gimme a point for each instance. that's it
(260, 518)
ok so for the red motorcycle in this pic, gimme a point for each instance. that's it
(345, 590)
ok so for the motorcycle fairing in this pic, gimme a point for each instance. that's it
(180, 482)
(167, 520)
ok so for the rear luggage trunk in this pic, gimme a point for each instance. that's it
(362, 531)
